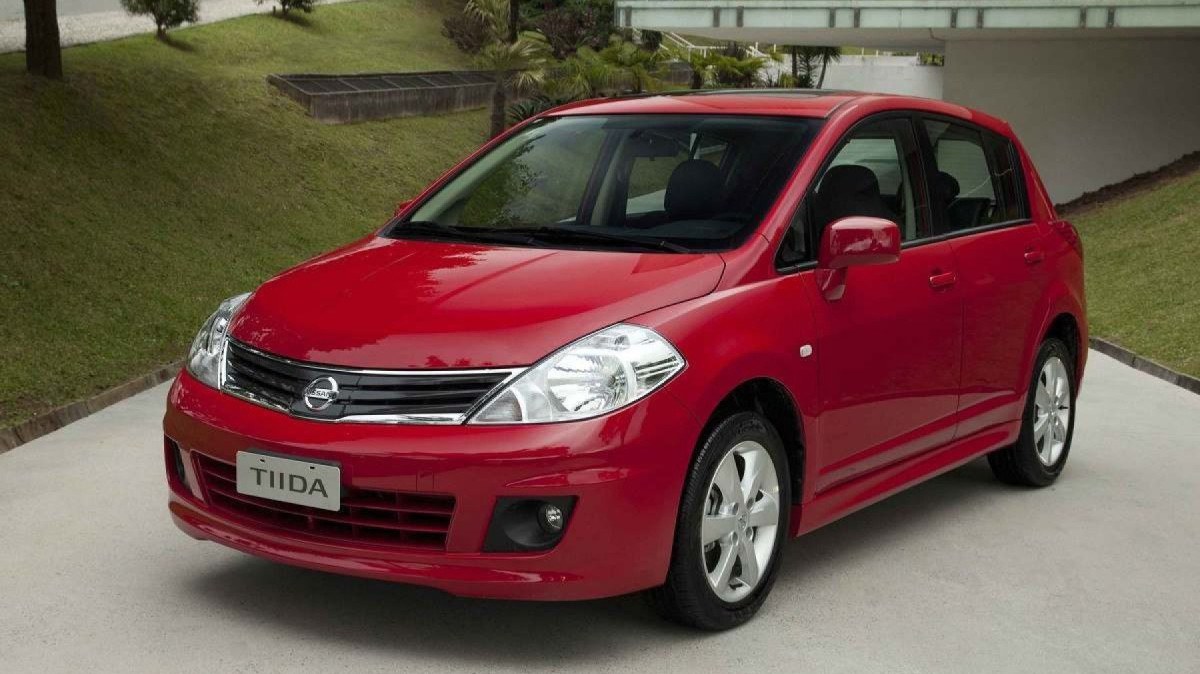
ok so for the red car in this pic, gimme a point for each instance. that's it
(634, 344)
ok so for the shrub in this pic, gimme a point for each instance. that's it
(468, 32)
(166, 13)
(523, 110)
(286, 6)
(575, 24)
(652, 40)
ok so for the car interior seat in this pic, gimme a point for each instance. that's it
(848, 189)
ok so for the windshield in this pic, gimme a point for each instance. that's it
(669, 183)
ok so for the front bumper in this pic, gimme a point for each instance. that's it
(625, 469)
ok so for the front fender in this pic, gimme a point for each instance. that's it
(732, 336)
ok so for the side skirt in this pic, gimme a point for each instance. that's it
(845, 498)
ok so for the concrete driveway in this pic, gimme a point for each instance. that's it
(84, 21)
(1099, 573)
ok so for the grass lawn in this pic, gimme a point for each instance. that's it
(157, 180)
(1142, 280)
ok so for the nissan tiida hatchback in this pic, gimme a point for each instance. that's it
(635, 344)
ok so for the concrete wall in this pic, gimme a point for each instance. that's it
(1090, 112)
(885, 74)
(362, 106)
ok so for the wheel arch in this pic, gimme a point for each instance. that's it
(1065, 326)
(770, 398)
(1062, 316)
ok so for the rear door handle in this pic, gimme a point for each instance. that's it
(942, 280)
(1034, 256)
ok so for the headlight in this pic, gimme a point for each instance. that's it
(204, 360)
(595, 375)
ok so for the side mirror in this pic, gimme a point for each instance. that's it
(852, 242)
(400, 206)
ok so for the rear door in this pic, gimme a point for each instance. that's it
(890, 348)
(979, 203)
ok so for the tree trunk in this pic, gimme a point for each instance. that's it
(514, 17)
(499, 103)
(824, 62)
(43, 53)
(795, 66)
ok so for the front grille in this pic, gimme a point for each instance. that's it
(367, 516)
(362, 395)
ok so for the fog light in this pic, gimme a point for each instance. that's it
(551, 518)
(526, 524)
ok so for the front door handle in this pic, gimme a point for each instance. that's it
(941, 280)
(1034, 256)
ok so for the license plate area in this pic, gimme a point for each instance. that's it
(305, 482)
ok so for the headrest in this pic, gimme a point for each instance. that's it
(850, 180)
(848, 189)
(693, 191)
(945, 187)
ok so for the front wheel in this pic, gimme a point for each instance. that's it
(1040, 454)
(732, 523)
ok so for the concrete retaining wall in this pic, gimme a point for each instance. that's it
(885, 74)
(1090, 112)
(342, 99)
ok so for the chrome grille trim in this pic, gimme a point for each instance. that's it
(229, 386)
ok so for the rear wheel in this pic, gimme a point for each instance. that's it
(732, 524)
(1040, 453)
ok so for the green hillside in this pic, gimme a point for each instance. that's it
(1143, 278)
(158, 179)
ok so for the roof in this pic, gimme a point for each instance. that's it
(776, 102)
(790, 102)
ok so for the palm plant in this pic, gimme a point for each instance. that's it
(641, 67)
(827, 55)
(810, 63)
(516, 60)
(742, 73)
(701, 65)
(586, 74)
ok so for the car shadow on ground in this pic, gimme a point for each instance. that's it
(414, 621)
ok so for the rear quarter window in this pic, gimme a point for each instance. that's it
(1009, 179)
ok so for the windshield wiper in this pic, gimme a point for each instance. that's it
(527, 236)
(579, 235)
(433, 229)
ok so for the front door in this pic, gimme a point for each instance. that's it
(890, 348)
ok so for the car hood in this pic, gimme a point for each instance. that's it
(402, 304)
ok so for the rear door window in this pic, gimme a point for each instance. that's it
(977, 181)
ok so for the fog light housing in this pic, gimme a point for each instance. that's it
(528, 524)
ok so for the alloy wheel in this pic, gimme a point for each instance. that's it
(1052, 411)
(740, 528)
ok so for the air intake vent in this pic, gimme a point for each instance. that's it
(367, 516)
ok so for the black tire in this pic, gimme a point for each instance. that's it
(687, 598)
(1019, 464)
